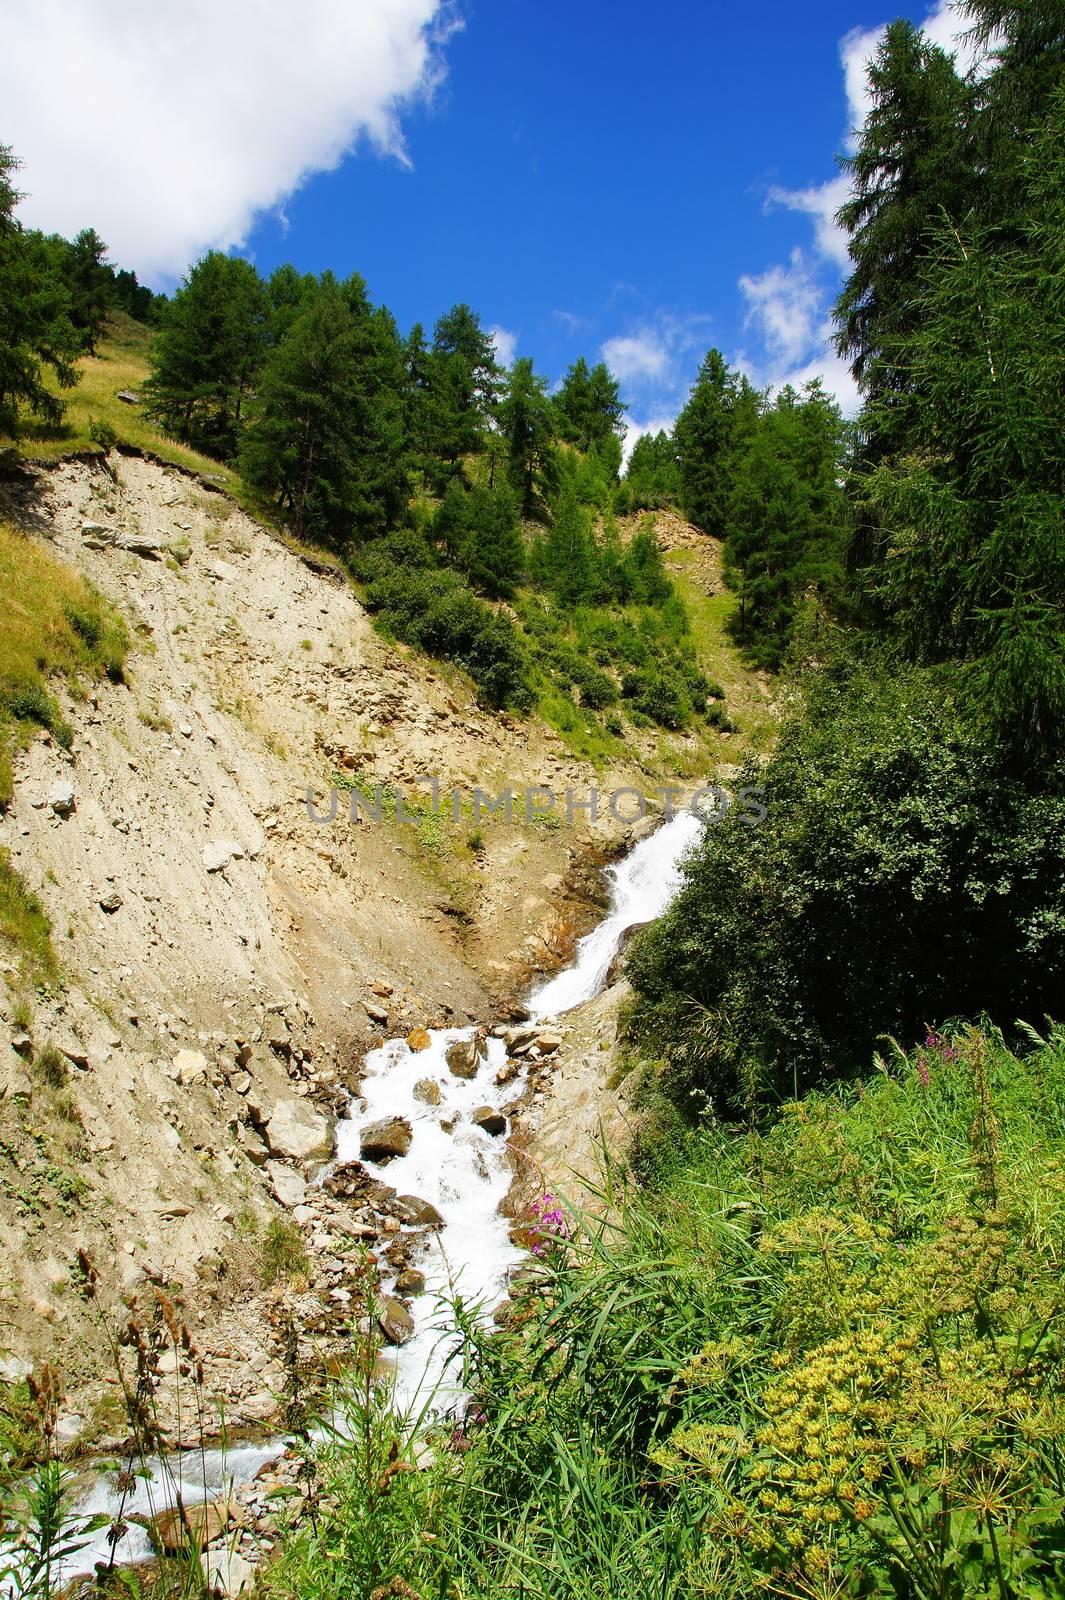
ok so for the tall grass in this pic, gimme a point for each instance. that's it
(55, 626)
(819, 1360)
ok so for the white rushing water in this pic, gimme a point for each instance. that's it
(452, 1163)
(643, 884)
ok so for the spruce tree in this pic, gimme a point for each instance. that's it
(526, 422)
(327, 435)
(913, 162)
(702, 436)
(35, 326)
(208, 352)
(589, 407)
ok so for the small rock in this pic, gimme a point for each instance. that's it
(491, 1120)
(206, 1523)
(548, 1043)
(226, 1573)
(288, 1185)
(381, 989)
(141, 544)
(427, 1090)
(98, 532)
(127, 397)
(297, 1130)
(61, 797)
(110, 901)
(395, 1321)
(13, 1369)
(380, 1141)
(185, 730)
(415, 1212)
(375, 1012)
(463, 1058)
(218, 853)
(418, 1039)
(411, 1281)
(190, 1066)
(21, 1043)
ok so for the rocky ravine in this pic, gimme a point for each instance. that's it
(227, 961)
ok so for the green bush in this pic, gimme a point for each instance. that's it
(903, 875)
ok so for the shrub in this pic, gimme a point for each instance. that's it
(903, 874)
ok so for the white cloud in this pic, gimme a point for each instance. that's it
(785, 304)
(636, 356)
(506, 343)
(821, 202)
(168, 128)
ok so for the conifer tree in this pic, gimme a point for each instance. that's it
(327, 436)
(589, 406)
(703, 438)
(35, 325)
(209, 351)
(913, 162)
(526, 421)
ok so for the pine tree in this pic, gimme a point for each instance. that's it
(327, 435)
(468, 379)
(526, 422)
(589, 407)
(912, 163)
(91, 283)
(702, 436)
(494, 554)
(35, 325)
(653, 473)
(208, 352)
(785, 518)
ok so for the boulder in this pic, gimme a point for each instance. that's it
(548, 1042)
(381, 1141)
(418, 1039)
(415, 1212)
(297, 1130)
(226, 1573)
(205, 1523)
(491, 1120)
(61, 797)
(427, 1090)
(463, 1058)
(288, 1185)
(395, 1321)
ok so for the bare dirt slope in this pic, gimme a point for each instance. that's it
(226, 959)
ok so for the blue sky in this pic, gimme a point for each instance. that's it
(603, 178)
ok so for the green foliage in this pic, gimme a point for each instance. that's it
(434, 610)
(901, 875)
(24, 926)
(652, 478)
(784, 518)
(589, 410)
(526, 420)
(283, 1255)
(326, 438)
(208, 352)
(35, 326)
